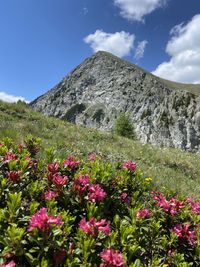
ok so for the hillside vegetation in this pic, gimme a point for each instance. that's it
(167, 167)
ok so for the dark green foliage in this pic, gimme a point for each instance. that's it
(124, 127)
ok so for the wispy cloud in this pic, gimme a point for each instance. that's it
(184, 49)
(118, 43)
(136, 10)
(139, 51)
(11, 98)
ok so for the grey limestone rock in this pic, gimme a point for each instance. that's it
(94, 93)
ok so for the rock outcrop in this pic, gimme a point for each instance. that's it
(94, 93)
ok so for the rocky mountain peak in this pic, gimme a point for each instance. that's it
(94, 93)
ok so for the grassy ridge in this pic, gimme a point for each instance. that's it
(168, 167)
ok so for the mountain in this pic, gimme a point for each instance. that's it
(92, 95)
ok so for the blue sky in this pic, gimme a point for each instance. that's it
(41, 41)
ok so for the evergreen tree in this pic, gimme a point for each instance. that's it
(124, 127)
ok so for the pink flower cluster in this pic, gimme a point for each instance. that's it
(129, 165)
(112, 258)
(9, 156)
(42, 220)
(92, 227)
(14, 176)
(10, 264)
(59, 180)
(173, 206)
(54, 175)
(71, 162)
(96, 192)
(92, 156)
(183, 232)
(81, 184)
(143, 213)
(124, 197)
(54, 167)
(49, 195)
(195, 205)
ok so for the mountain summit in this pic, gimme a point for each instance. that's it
(92, 95)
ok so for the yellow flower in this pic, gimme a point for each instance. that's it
(149, 179)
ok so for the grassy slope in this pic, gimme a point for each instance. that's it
(168, 167)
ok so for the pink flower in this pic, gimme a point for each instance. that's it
(81, 183)
(42, 220)
(173, 206)
(9, 156)
(71, 162)
(48, 195)
(59, 180)
(14, 176)
(182, 231)
(196, 207)
(10, 264)
(59, 256)
(92, 226)
(27, 158)
(92, 156)
(112, 258)
(129, 165)
(53, 167)
(124, 197)
(96, 193)
(1, 145)
(143, 213)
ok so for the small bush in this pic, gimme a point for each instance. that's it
(124, 127)
(89, 213)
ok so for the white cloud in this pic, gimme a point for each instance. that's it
(184, 49)
(136, 10)
(139, 51)
(118, 43)
(11, 98)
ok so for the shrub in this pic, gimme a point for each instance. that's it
(77, 212)
(124, 127)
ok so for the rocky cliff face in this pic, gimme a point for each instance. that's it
(94, 93)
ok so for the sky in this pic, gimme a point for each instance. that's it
(41, 41)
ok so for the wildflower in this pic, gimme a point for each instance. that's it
(42, 220)
(59, 180)
(112, 258)
(143, 213)
(53, 167)
(30, 162)
(124, 197)
(171, 207)
(92, 226)
(182, 231)
(14, 176)
(96, 193)
(10, 264)
(71, 162)
(196, 207)
(49, 195)
(92, 156)
(81, 183)
(129, 165)
(9, 156)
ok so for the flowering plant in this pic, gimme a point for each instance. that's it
(88, 212)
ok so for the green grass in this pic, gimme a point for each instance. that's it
(168, 167)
